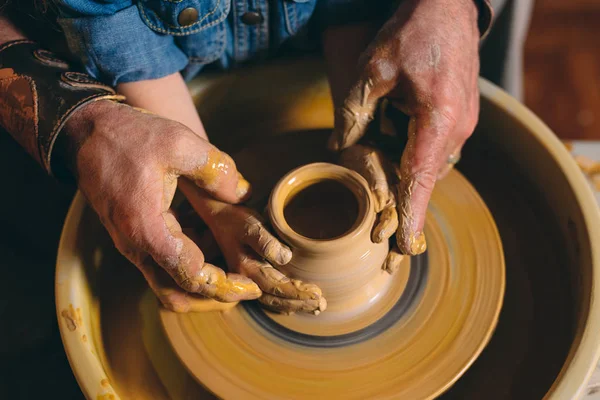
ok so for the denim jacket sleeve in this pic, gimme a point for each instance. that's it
(114, 44)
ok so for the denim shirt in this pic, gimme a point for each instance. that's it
(120, 41)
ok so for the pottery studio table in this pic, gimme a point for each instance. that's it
(32, 360)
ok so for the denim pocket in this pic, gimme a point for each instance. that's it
(297, 14)
(163, 16)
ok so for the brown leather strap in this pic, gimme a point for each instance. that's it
(38, 93)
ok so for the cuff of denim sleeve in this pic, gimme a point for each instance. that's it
(345, 12)
(120, 48)
(486, 15)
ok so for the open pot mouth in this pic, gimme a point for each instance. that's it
(321, 203)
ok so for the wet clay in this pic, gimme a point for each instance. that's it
(324, 210)
(326, 213)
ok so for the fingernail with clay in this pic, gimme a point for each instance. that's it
(243, 188)
(381, 199)
(322, 306)
(284, 256)
(417, 243)
(244, 288)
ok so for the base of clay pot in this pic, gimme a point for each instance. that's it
(347, 265)
(342, 326)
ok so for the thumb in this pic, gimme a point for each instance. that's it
(352, 117)
(211, 170)
(422, 157)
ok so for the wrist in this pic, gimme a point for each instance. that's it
(76, 130)
(39, 94)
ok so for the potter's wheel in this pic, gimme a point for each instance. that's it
(415, 341)
(546, 343)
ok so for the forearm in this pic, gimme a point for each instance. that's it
(38, 94)
(167, 97)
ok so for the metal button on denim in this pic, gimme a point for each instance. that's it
(252, 18)
(187, 16)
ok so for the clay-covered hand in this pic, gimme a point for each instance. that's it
(383, 181)
(425, 61)
(127, 165)
(251, 250)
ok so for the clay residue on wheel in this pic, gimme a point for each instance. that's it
(72, 317)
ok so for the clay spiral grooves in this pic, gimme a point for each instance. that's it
(419, 267)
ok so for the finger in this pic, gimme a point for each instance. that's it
(377, 78)
(272, 281)
(207, 279)
(374, 167)
(393, 260)
(173, 297)
(386, 224)
(422, 157)
(264, 243)
(353, 116)
(177, 254)
(290, 306)
(209, 168)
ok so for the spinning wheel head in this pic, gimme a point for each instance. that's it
(426, 323)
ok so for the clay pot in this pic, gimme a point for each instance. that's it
(338, 210)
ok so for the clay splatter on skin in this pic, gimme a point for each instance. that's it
(70, 318)
(212, 281)
(242, 190)
(216, 167)
(417, 243)
(355, 116)
(105, 383)
(265, 243)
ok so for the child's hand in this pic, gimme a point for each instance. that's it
(251, 250)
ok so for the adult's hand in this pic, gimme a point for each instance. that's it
(127, 164)
(425, 60)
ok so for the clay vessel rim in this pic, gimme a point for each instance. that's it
(314, 173)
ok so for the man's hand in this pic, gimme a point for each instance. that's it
(251, 250)
(425, 61)
(383, 180)
(127, 165)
